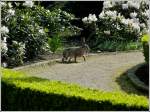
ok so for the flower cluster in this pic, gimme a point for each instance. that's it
(3, 4)
(21, 47)
(110, 14)
(134, 20)
(145, 13)
(134, 23)
(124, 6)
(131, 4)
(90, 19)
(28, 4)
(10, 5)
(4, 30)
(134, 3)
(107, 4)
(11, 12)
(4, 48)
(133, 15)
(41, 31)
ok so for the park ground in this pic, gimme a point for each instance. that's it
(104, 71)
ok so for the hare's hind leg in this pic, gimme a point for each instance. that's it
(63, 59)
(84, 58)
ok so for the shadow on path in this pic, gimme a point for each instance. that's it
(127, 86)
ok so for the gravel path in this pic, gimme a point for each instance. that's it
(99, 71)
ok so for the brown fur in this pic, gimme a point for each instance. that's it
(75, 52)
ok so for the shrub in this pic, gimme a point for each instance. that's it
(114, 45)
(54, 43)
(145, 42)
(119, 20)
(21, 92)
(30, 24)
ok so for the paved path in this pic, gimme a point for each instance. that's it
(99, 71)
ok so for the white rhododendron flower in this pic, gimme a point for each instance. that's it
(15, 42)
(146, 13)
(85, 19)
(4, 47)
(107, 4)
(142, 25)
(11, 12)
(4, 39)
(120, 16)
(127, 21)
(4, 64)
(28, 3)
(41, 31)
(133, 15)
(91, 18)
(136, 20)
(124, 6)
(124, 21)
(136, 26)
(9, 5)
(134, 4)
(4, 29)
(3, 4)
(111, 13)
(107, 32)
(102, 14)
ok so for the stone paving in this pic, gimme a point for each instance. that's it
(99, 71)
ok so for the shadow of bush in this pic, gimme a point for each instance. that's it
(127, 86)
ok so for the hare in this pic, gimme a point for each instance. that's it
(75, 52)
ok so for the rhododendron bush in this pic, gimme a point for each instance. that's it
(26, 28)
(119, 21)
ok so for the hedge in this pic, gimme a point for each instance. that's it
(145, 42)
(23, 92)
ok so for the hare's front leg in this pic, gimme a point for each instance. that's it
(75, 59)
(69, 59)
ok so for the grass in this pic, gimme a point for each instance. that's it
(55, 95)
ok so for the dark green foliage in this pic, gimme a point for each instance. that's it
(20, 92)
(145, 42)
(83, 8)
(16, 54)
(54, 43)
(146, 52)
(112, 45)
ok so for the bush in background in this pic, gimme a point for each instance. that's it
(120, 21)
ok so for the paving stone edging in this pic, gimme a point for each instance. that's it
(52, 61)
(37, 64)
(135, 80)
